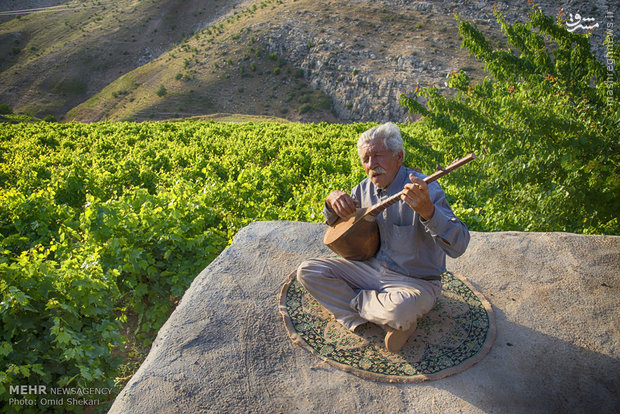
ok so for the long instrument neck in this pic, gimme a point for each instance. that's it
(379, 207)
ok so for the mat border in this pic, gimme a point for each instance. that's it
(488, 343)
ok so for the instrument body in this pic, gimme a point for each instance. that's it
(357, 238)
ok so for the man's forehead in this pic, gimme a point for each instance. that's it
(373, 146)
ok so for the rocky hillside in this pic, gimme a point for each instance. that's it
(303, 60)
(364, 54)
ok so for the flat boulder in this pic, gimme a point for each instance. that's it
(557, 348)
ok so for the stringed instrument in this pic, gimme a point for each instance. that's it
(357, 238)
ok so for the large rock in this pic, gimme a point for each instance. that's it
(555, 297)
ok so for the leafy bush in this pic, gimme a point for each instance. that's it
(543, 127)
(5, 109)
(162, 91)
(70, 86)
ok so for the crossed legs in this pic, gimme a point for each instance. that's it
(356, 292)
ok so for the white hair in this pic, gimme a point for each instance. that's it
(388, 132)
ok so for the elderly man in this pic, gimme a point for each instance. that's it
(401, 282)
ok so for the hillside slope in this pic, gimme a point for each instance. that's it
(303, 60)
(52, 61)
(360, 55)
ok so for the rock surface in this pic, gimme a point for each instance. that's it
(365, 78)
(555, 298)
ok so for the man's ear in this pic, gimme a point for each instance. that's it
(400, 156)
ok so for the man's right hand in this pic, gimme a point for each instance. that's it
(342, 204)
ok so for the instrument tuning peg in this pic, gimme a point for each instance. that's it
(439, 167)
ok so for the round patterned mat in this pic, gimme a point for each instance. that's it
(454, 335)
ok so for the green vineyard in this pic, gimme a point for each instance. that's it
(103, 226)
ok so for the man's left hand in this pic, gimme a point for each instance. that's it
(417, 197)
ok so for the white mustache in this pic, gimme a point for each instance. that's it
(376, 171)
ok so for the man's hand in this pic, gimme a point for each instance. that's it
(342, 204)
(417, 197)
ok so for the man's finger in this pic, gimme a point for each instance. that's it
(417, 182)
(345, 207)
(347, 203)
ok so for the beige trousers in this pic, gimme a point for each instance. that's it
(356, 292)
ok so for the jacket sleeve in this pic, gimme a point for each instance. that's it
(328, 213)
(448, 232)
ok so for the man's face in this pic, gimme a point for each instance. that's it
(380, 163)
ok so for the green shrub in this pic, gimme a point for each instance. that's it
(543, 127)
(70, 86)
(5, 109)
(162, 91)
